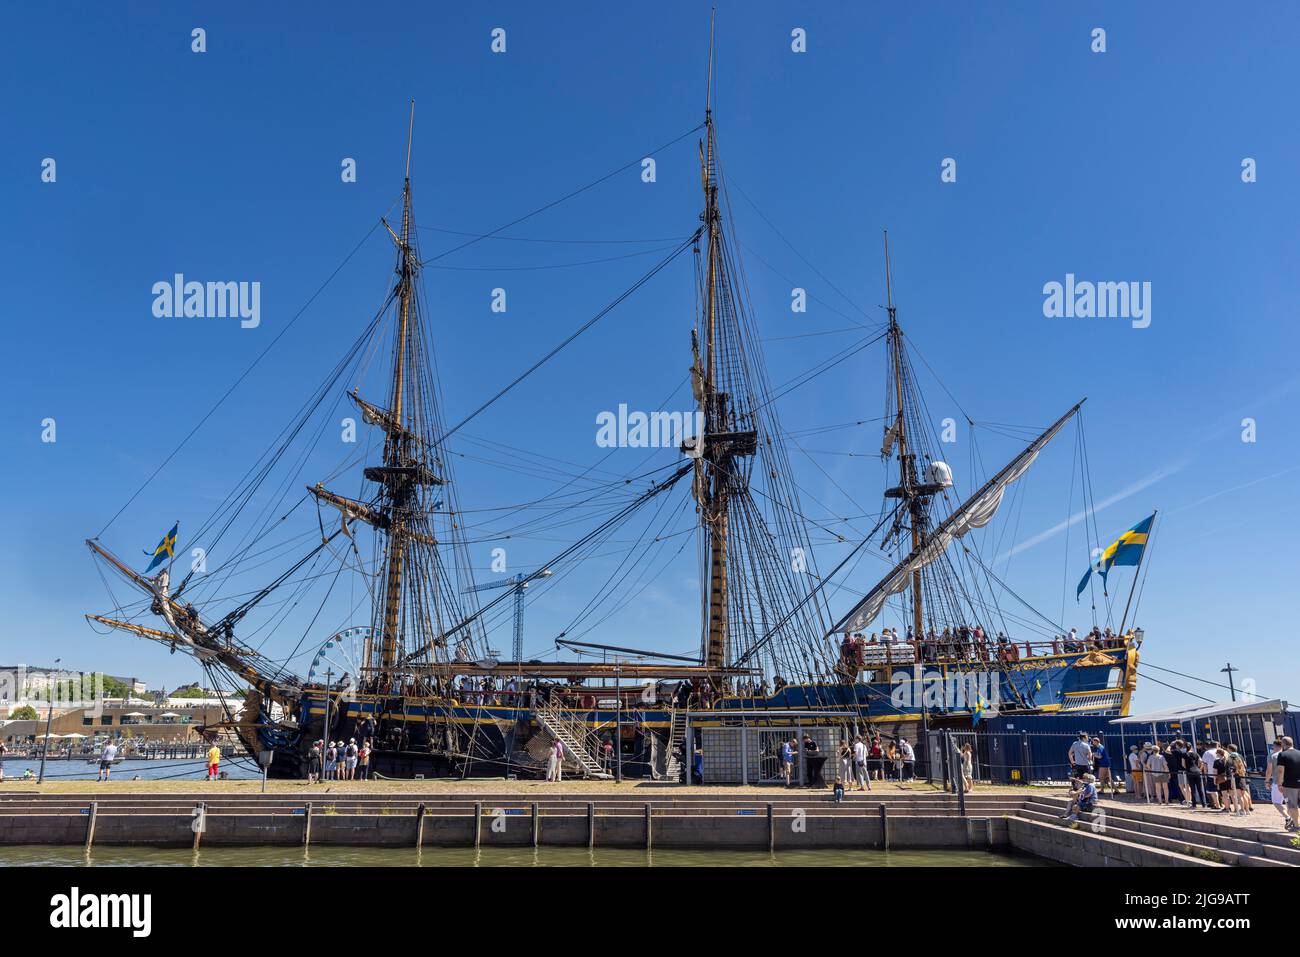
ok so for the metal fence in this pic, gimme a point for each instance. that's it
(1001, 753)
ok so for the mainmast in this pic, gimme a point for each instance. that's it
(396, 475)
(721, 441)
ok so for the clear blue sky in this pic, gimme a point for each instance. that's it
(225, 165)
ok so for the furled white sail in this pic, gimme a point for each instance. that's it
(976, 512)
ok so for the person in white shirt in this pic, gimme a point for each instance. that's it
(106, 758)
(1135, 785)
(909, 758)
(1208, 757)
(860, 764)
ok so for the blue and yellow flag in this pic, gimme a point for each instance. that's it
(978, 711)
(1125, 550)
(166, 548)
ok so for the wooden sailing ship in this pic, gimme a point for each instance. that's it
(432, 697)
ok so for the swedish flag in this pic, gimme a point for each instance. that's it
(166, 548)
(1125, 550)
(978, 711)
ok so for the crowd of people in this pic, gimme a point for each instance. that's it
(339, 760)
(1209, 775)
(864, 760)
(962, 643)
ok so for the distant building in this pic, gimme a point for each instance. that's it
(120, 721)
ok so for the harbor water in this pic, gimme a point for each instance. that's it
(78, 769)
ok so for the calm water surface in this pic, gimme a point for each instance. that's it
(76, 769)
(30, 856)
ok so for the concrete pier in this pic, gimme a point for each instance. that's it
(1121, 834)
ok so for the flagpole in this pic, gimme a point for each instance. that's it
(1138, 571)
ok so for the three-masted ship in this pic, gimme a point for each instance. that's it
(433, 698)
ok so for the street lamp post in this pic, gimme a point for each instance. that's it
(49, 720)
(329, 679)
(618, 723)
(1232, 690)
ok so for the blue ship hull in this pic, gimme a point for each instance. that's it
(441, 737)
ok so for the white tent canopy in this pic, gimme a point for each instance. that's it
(1194, 712)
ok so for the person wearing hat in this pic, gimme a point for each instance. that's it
(350, 760)
(1085, 799)
(1157, 775)
(1135, 786)
(331, 760)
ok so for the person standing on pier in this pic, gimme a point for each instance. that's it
(967, 767)
(1208, 757)
(1080, 756)
(314, 762)
(1287, 777)
(788, 751)
(1134, 771)
(909, 758)
(363, 761)
(1101, 766)
(1195, 782)
(350, 760)
(555, 766)
(1158, 775)
(106, 758)
(860, 764)
(214, 761)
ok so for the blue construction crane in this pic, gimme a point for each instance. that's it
(518, 583)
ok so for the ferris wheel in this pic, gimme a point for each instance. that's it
(341, 654)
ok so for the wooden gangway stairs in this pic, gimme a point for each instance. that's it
(676, 740)
(572, 739)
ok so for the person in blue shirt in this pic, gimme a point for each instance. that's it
(699, 766)
(1085, 799)
(1101, 766)
(788, 751)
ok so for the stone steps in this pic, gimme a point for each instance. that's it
(1122, 823)
(1083, 848)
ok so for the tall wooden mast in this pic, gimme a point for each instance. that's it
(907, 483)
(715, 485)
(398, 481)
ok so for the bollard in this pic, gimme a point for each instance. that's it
(884, 827)
(537, 822)
(306, 829)
(478, 822)
(90, 825)
(419, 825)
(647, 827)
(200, 822)
(591, 825)
(771, 830)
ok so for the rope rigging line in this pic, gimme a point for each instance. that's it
(262, 355)
(580, 330)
